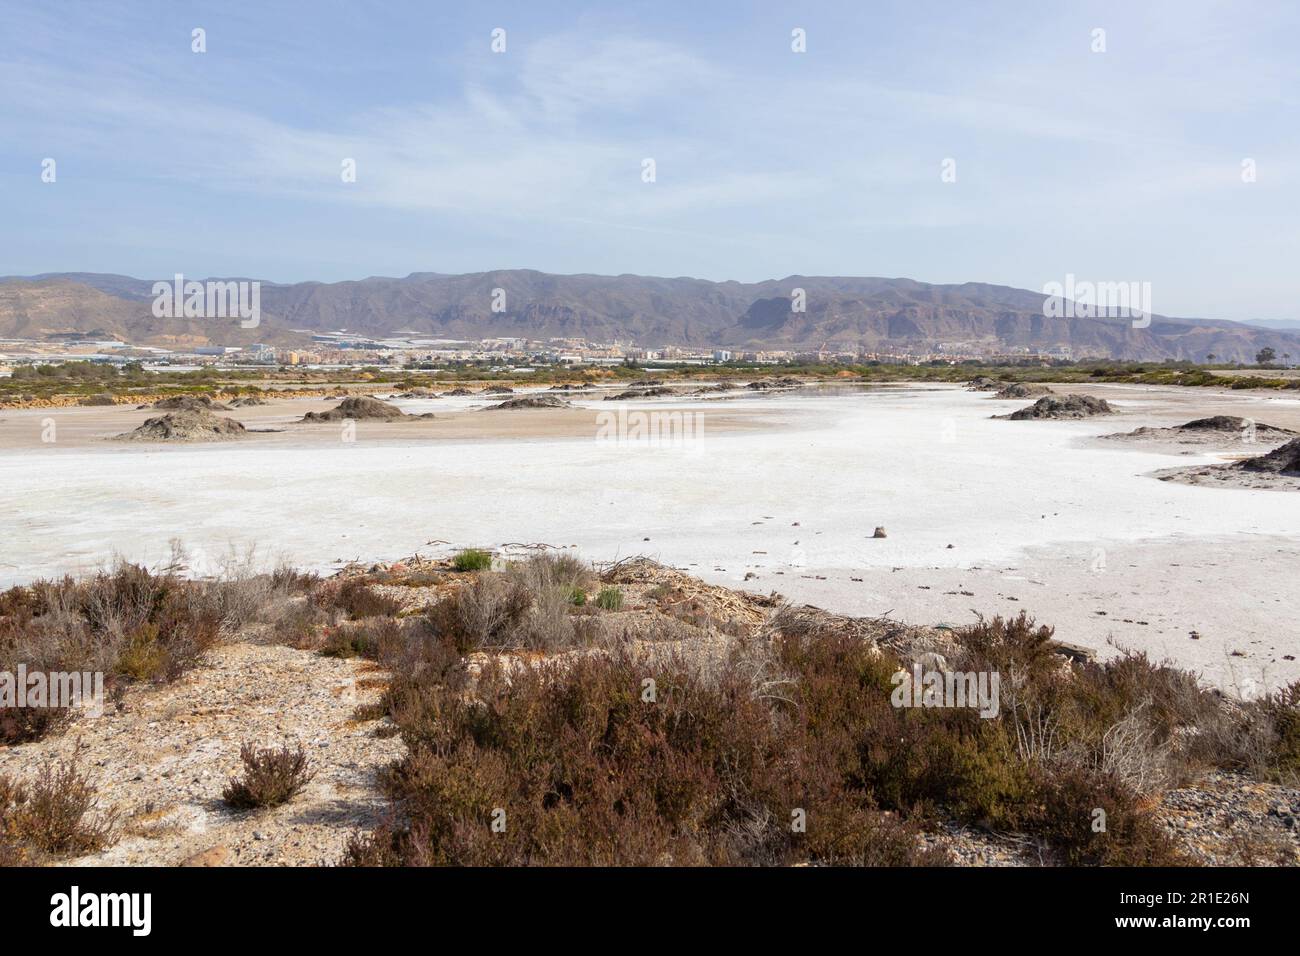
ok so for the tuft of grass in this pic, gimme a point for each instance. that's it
(272, 776)
(472, 559)
(610, 599)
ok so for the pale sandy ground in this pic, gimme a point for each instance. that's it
(781, 493)
(164, 759)
(278, 424)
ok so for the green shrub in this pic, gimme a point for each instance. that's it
(472, 559)
(610, 599)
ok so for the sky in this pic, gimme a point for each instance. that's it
(940, 140)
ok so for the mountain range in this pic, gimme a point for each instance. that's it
(872, 314)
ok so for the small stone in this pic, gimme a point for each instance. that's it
(879, 532)
(213, 856)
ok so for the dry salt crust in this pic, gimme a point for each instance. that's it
(1041, 517)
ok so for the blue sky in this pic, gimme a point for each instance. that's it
(1117, 166)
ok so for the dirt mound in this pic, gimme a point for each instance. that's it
(1066, 407)
(247, 401)
(1278, 470)
(655, 392)
(418, 393)
(1215, 430)
(982, 383)
(456, 392)
(711, 389)
(1280, 461)
(189, 403)
(532, 401)
(764, 384)
(1023, 390)
(362, 408)
(188, 425)
(498, 390)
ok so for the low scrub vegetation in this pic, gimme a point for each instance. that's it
(790, 749)
(370, 638)
(357, 598)
(272, 776)
(128, 623)
(57, 814)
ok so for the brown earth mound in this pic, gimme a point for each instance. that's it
(189, 403)
(1066, 407)
(186, 425)
(248, 400)
(982, 383)
(362, 408)
(457, 392)
(1023, 390)
(1277, 470)
(498, 390)
(719, 387)
(1280, 461)
(1217, 429)
(766, 383)
(532, 401)
(655, 392)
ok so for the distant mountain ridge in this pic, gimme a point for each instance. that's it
(872, 314)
